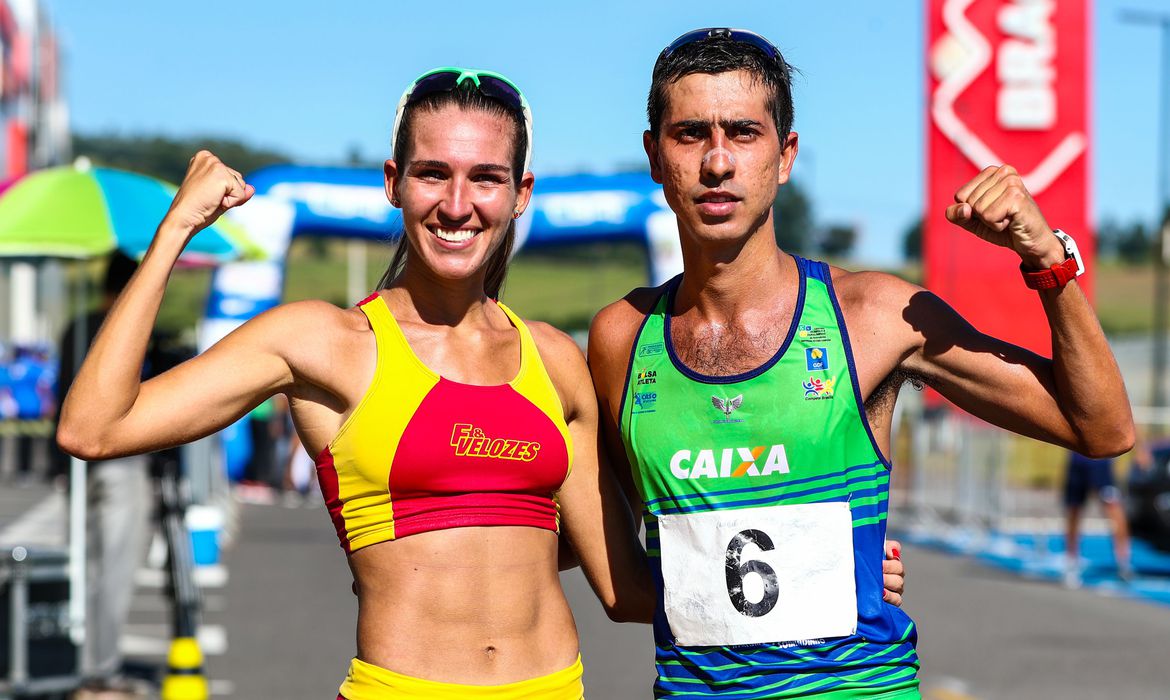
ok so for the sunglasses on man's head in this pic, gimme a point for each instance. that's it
(743, 35)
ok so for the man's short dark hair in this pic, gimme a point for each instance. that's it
(720, 54)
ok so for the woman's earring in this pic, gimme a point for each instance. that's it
(516, 214)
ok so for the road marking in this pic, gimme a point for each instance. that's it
(209, 603)
(155, 640)
(206, 576)
(947, 688)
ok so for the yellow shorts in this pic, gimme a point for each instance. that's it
(369, 682)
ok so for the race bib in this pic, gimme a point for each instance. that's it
(759, 575)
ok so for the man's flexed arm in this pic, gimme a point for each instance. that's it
(1076, 399)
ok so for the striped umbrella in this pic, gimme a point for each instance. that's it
(82, 212)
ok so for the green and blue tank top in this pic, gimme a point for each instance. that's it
(765, 500)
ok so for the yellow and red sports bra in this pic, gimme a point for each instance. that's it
(421, 452)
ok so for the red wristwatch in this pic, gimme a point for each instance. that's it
(1059, 274)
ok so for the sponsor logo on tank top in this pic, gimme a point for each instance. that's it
(650, 349)
(729, 463)
(647, 376)
(470, 441)
(816, 359)
(817, 389)
(812, 334)
(727, 406)
(801, 643)
(644, 401)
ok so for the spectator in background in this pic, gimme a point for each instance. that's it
(119, 499)
(1084, 475)
(27, 382)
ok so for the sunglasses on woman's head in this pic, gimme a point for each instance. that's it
(489, 83)
(448, 78)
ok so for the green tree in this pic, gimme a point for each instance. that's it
(165, 157)
(792, 217)
(838, 240)
(1107, 233)
(356, 158)
(912, 241)
(1134, 244)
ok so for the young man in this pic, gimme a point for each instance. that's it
(747, 404)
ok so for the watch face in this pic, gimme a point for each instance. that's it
(1071, 250)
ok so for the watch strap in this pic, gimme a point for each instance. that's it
(1054, 277)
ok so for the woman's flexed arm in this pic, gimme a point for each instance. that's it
(108, 410)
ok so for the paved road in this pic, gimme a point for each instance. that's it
(995, 636)
(985, 634)
(290, 615)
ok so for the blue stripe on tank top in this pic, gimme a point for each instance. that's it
(778, 498)
(796, 686)
(711, 657)
(748, 489)
(769, 665)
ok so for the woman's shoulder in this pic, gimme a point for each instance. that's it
(320, 342)
(317, 313)
(563, 360)
(550, 339)
(557, 348)
(310, 328)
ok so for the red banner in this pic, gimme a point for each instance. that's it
(16, 162)
(1007, 82)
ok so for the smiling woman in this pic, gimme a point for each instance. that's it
(422, 109)
(454, 441)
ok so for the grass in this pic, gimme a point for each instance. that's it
(1123, 294)
(566, 287)
(185, 301)
(1125, 298)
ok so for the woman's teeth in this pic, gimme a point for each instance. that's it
(454, 236)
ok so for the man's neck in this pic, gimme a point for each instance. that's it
(722, 282)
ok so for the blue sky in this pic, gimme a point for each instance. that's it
(318, 80)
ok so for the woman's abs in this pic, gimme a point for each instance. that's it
(476, 605)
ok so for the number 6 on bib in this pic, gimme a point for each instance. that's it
(759, 575)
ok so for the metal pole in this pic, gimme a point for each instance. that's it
(1162, 257)
(1162, 279)
(18, 589)
(356, 270)
(1161, 286)
(77, 501)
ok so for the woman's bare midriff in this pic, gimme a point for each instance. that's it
(471, 605)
